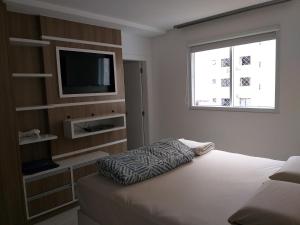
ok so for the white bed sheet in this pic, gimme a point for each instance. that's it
(204, 192)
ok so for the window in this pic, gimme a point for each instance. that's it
(244, 102)
(245, 60)
(247, 73)
(225, 101)
(245, 81)
(225, 82)
(225, 62)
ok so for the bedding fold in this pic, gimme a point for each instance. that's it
(145, 162)
(199, 148)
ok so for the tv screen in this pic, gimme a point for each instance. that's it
(86, 73)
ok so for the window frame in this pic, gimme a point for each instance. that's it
(190, 72)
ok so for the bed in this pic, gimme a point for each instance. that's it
(206, 191)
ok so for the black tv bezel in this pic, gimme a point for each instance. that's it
(60, 86)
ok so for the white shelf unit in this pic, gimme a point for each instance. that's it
(69, 165)
(82, 127)
(36, 139)
(32, 75)
(28, 42)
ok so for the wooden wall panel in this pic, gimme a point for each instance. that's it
(60, 114)
(64, 145)
(36, 151)
(24, 26)
(48, 183)
(27, 91)
(12, 209)
(51, 67)
(49, 201)
(112, 150)
(84, 171)
(26, 59)
(30, 91)
(73, 30)
(115, 149)
(27, 120)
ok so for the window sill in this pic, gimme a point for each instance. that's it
(235, 109)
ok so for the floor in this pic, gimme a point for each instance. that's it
(66, 218)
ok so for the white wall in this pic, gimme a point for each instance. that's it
(136, 47)
(274, 135)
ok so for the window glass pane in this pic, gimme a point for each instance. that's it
(211, 83)
(240, 76)
(254, 67)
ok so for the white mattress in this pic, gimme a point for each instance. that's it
(204, 192)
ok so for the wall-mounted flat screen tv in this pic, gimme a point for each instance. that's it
(84, 72)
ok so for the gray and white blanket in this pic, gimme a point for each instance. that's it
(145, 162)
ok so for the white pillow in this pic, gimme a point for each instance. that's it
(276, 203)
(199, 148)
(290, 171)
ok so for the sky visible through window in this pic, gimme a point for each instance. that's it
(241, 76)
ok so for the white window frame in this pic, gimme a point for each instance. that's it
(190, 71)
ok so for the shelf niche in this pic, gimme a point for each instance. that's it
(82, 127)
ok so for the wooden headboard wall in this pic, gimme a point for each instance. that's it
(37, 100)
(30, 97)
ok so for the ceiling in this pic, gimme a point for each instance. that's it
(148, 17)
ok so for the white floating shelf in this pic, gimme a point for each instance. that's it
(28, 42)
(81, 159)
(36, 107)
(41, 138)
(51, 106)
(75, 153)
(32, 75)
(82, 127)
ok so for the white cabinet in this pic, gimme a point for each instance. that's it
(52, 189)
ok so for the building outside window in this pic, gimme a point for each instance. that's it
(225, 62)
(225, 101)
(245, 81)
(245, 60)
(225, 82)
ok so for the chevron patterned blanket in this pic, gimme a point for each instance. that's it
(145, 162)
